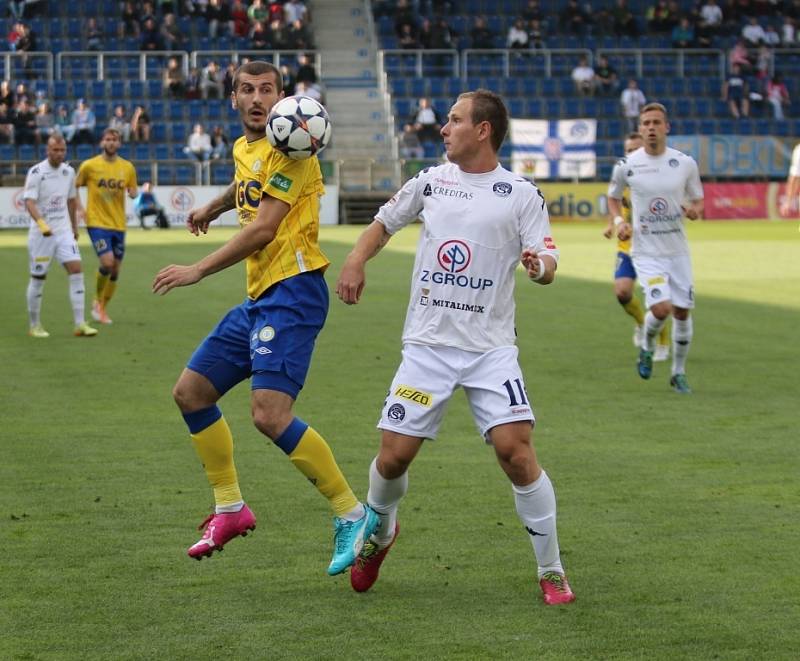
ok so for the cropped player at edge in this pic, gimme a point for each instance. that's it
(624, 273)
(270, 337)
(107, 178)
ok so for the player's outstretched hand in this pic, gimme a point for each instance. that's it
(608, 232)
(350, 284)
(530, 260)
(198, 221)
(624, 231)
(175, 276)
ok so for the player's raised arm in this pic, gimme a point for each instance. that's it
(352, 278)
(256, 235)
(200, 218)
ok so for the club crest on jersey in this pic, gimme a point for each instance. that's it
(502, 189)
(266, 333)
(454, 256)
(658, 205)
(673, 162)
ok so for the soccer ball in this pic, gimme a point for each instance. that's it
(298, 127)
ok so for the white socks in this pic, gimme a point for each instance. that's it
(384, 496)
(77, 297)
(536, 507)
(34, 295)
(652, 327)
(682, 332)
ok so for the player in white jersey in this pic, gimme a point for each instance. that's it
(479, 222)
(792, 193)
(661, 181)
(50, 197)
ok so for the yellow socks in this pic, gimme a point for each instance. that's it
(634, 308)
(312, 456)
(100, 285)
(214, 444)
(108, 291)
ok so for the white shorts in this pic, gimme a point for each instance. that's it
(42, 250)
(666, 279)
(428, 376)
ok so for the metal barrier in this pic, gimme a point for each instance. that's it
(278, 57)
(34, 64)
(515, 60)
(423, 62)
(105, 60)
(656, 58)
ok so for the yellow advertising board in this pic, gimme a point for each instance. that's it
(575, 202)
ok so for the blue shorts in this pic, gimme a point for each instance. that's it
(624, 267)
(104, 240)
(270, 339)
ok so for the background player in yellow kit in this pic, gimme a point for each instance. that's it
(107, 178)
(270, 337)
(625, 274)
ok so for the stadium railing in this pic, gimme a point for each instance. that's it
(116, 63)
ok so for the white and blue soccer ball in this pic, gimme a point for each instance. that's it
(298, 127)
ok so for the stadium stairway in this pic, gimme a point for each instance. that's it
(363, 141)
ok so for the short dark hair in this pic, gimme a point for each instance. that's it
(489, 107)
(654, 106)
(634, 135)
(257, 68)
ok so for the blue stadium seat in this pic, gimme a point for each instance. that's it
(176, 151)
(186, 174)
(98, 89)
(141, 152)
(125, 151)
(690, 127)
(8, 153)
(82, 152)
(195, 111)
(159, 132)
(136, 89)
(118, 89)
(162, 152)
(214, 112)
(176, 112)
(179, 132)
(154, 89)
(516, 107)
(157, 111)
(708, 127)
(79, 89)
(535, 108)
(60, 90)
(101, 111)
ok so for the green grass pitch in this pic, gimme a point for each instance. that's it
(678, 516)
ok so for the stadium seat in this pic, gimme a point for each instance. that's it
(136, 89)
(98, 89)
(162, 152)
(141, 152)
(159, 132)
(154, 89)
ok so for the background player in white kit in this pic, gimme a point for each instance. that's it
(479, 221)
(50, 200)
(792, 193)
(660, 179)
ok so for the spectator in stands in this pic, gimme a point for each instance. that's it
(683, 34)
(711, 18)
(199, 144)
(295, 10)
(771, 37)
(193, 84)
(146, 204)
(788, 32)
(658, 17)
(21, 92)
(739, 55)
(306, 73)
(404, 14)
(6, 125)
(129, 25)
(778, 96)
(289, 80)
(573, 19)
(45, 123)
(171, 35)
(606, 77)
(218, 17)
(279, 34)
(584, 78)
(624, 20)
(632, 101)
(480, 35)
(93, 34)
(426, 121)
(14, 35)
(239, 18)
(140, 125)
(151, 37)
(257, 13)
(517, 36)
(535, 34)
(408, 38)
(119, 122)
(299, 36)
(753, 34)
(20, 8)
(410, 145)
(27, 39)
(84, 121)
(24, 123)
(211, 81)
(736, 94)
(259, 37)
(63, 123)
(173, 81)
(7, 96)
(533, 12)
(275, 10)
(303, 88)
(220, 145)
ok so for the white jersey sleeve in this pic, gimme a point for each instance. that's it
(794, 168)
(405, 206)
(32, 182)
(694, 187)
(618, 182)
(535, 226)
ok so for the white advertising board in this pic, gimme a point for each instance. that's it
(176, 200)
